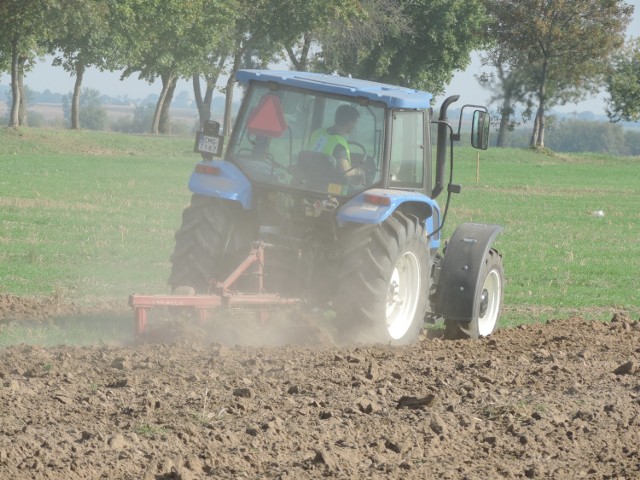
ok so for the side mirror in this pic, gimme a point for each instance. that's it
(480, 130)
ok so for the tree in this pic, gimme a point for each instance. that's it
(214, 36)
(340, 23)
(562, 46)
(585, 136)
(260, 32)
(23, 32)
(80, 37)
(5, 62)
(507, 87)
(210, 73)
(437, 40)
(623, 84)
(167, 39)
(26, 95)
(142, 118)
(92, 114)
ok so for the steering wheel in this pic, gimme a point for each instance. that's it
(361, 147)
(367, 163)
(370, 170)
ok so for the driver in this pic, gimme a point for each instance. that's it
(331, 141)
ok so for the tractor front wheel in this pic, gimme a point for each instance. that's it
(383, 281)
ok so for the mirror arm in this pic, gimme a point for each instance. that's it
(477, 107)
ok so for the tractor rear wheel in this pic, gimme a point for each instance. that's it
(209, 244)
(487, 302)
(383, 284)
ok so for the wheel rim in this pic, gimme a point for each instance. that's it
(403, 295)
(489, 303)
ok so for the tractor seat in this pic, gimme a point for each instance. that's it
(317, 169)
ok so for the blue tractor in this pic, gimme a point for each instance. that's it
(357, 232)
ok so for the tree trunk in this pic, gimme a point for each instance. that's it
(228, 105)
(197, 93)
(228, 100)
(534, 134)
(537, 139)
(505, 119)
(541, 127)
(75, 101)
(155, 125)
(14, 117)
(204, 104)
(301, 64)
(22, 108)
(502, 131)
(165, 119)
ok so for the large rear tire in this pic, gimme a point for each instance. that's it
(383, 284)
(488, 302)
(209, 243)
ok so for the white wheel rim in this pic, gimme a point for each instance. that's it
(492, 289)
(403, 295)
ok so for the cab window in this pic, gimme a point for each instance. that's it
(407, 150)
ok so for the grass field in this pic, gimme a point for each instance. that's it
(85, 215)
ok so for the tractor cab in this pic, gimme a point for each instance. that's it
(290, 128)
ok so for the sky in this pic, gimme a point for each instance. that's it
(55, 79)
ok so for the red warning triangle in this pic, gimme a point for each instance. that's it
(267, 118)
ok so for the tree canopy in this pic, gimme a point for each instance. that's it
(545, 52)
(559, 48)
(623, 84)
(422, 48)
(167, 39)
(24, 31)
(415, 43)
(80, 39)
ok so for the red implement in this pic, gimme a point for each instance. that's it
(222, 295)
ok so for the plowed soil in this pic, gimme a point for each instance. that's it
(559, 400)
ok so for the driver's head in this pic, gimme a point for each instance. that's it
(346, 117)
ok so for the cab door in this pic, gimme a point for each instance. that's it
(410, 144)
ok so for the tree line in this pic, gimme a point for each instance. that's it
(538, 53)
(582, 136)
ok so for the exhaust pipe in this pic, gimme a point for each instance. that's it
(441, 153)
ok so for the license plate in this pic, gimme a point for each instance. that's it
(209, 145)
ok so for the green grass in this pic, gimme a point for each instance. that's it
(89, 214)
(85, 215)
(559, 258)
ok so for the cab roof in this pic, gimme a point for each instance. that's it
(392, 96)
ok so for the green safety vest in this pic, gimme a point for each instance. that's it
(324, 142)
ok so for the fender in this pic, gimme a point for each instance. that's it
(460, 271)
(376, 205)
(221, 179)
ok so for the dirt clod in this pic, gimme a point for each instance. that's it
(627, 368)
(415, 402)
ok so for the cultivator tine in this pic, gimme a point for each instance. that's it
(141, 320)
